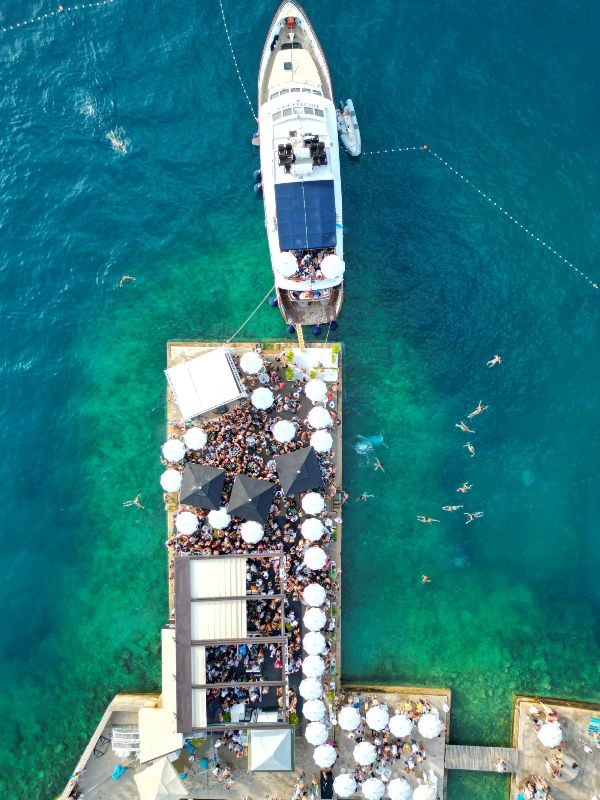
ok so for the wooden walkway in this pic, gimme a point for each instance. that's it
(480, 759)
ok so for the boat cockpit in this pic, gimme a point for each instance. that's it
(309, 149)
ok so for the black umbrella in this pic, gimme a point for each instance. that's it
(251, 498)
(202, 486)
(299, 471)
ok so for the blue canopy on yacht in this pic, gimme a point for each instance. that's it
(305, 215)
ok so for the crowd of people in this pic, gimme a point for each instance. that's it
(536, 788)
(309, 264)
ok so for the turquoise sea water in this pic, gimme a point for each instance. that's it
(437, 282)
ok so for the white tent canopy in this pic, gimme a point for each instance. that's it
(314, 619)
(312, 529)
(173, 450)
(348, 718)
(270, 750)
(310, 689)
(160, 782)
(283, 431)
(252, 532)
(251, 362)
(205, 382)
(170, 480)
(364, 753)
(322, 441)
(316, 390)
(219, 518)
(262, 398)
(315, 558)
(195, 438)
(401, 725)
(373, 789)
(550, 734)
(314, 710)
(314, 595)
(319, 417)
(429, 726)
(377, 718)
(344, 785)
(313, 503)
(315, 733)
(313, 666)
(186, 522)
(399, 789)
(324, 756)
(314, 643)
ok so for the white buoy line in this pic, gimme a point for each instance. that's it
(50, 14)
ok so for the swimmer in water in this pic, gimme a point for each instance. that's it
(364, 497)
(479, 410)
(126, 278)
(377, 465)
(471, 517)
(470, 448)
(134, 502)
(427, 520)
(450, 508)
(495, 360)
(117, 143)
(463, 427)
(425, 579)
(465, 487)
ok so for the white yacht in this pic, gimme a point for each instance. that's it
(300, 170)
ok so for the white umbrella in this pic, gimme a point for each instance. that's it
(262, 398)
(286, 264)
(399, 789)
(284, 430)
(364, 754)
(550, 734)
(316, 390)
(325, 756)
(170, 480)
(316, 733)
(319, 417)
(401, 725)
(313, 503)
(314, 619)
(315, 558)
(333, 266)
(429, 726)
(173, 450)
(314, 643)
(314, 710)
(348, 718)
(344, 785)
(314, 594)
(252, 532)
(310, 689)
(312, 529)
(313, 666)
(377, 718)
(373, 789)
(186, 522)
(426, 791)
(219, 518)
(251, 362)
(195, 438)
(322, 441)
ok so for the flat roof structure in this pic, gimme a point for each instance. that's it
(211, 599)
(205, 382)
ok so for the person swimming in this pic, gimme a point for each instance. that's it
(377, 465)
(470, 448)
(479, 410)
(463, 427)
(427, 520)
(465, 487)
(116, 141)
(450, 508)
(364, 497)
(471, 517)
(495, 360)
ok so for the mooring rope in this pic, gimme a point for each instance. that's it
(60, 10)
(243, 325)
(498, 206)
(235, 62)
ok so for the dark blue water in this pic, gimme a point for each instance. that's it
(438, 281)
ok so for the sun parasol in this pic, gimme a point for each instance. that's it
(401, 725)
(314, 619)
(310, 689)
(344, 785)
(219, 518)
(399, 789)
(322, 441)
(173, 450)
(252, 532)
(316, 732)
(283, 431)
(348, 718)
(325, 756)
(377, 718)
(333, 266)
(286, 264)
(426, 791)
(313, 503)
(251, 362)
(314, 594)
(314, 643)
(315, 558)
(550, 734)
(170, 480)
(316, 390)
(429, 726)
(319, 417)
(313, 666)
(314, 710)
(312, 529)
(195, 438)
(262, 398)
(373, 789)
(364, 754)
(186, 522)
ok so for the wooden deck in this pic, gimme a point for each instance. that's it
(480, 759)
